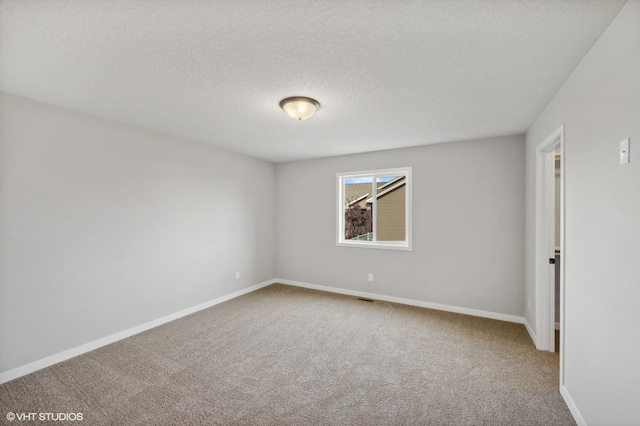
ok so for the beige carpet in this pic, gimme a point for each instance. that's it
(290, 356)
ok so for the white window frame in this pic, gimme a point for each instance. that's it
(389, 245)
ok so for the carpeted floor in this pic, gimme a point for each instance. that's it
(289, 356)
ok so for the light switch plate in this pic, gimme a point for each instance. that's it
(624, 151)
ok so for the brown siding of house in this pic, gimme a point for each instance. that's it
(391, 216)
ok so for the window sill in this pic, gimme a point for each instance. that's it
(370, 245)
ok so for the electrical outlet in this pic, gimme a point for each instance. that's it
(237, 275)
(370, 277)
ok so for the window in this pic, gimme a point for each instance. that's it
(374, 209)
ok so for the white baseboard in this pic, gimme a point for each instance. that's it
(531, 333)
(87, 347)
(572, 407)
(411, 302)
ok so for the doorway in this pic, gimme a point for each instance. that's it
(557, 204)
(550, 255)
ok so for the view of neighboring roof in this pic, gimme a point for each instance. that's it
(354, 192)
(357, 192)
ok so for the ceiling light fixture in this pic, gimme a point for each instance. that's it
(300, 107)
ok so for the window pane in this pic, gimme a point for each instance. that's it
(358, 219)
(374, 209)
(391, 208)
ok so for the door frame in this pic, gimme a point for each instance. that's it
(545, 244)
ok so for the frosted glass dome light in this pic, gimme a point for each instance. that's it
(300, 107)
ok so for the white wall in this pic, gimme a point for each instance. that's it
(599, 106)
(468, 226)
(104, 227)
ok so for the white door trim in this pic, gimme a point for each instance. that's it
(545, 245)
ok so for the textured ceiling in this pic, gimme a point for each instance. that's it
(387, 74)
